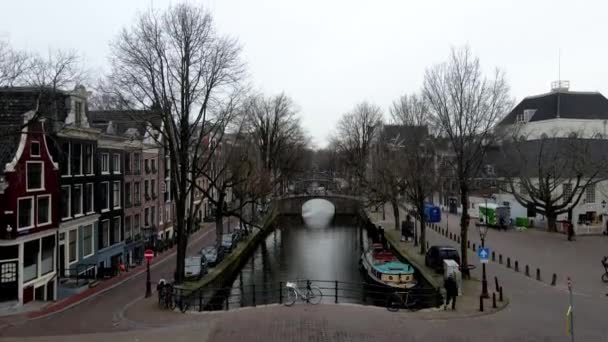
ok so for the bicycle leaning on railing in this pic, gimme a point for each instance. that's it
(400, 300)
(312, 294)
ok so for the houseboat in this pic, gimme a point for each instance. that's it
(383, 267)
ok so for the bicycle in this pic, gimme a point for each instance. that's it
(398, 300)
(312, 295)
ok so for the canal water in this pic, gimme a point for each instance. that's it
(316, 250)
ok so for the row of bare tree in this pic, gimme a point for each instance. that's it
(449, 131)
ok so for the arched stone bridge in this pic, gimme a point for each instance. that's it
(292, 205)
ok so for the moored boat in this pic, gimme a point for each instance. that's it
(383, 267)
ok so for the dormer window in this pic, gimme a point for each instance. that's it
(526, 116)
(35, 149)
(78, 113)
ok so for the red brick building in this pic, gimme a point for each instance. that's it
(29, 199)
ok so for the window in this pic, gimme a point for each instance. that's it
(147, 217)
(89, 198)
(147, 165)
(566, 192)
(78, 112)
(72, 245)
(116, 194)
(116, 163)
(153, 161)
(127, 163)
(65, 201)
(136, 225)
(35, 149)
(25, 213)
(127, 227)
(136, 196)
(168, 213)
(105, 196)
(127, 195)
(152, 215)
(105, 233)
(116, 233)
(147, 189)
(105, 163)
(76, 159)
(153, 186)
(590, 194)
(48, 255)
(31, 250)
(77, 200)
(87, 241)
(88, 159)
(65, 159)
(137, 163)
(44, 209)
(35, 176)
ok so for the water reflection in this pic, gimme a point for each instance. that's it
(318, 213)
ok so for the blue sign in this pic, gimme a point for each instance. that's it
(483, 254)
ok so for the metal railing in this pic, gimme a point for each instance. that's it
(334, 291)
(82, 272)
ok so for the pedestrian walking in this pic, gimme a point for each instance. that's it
(451, 291)
(570, 231)
(406, 228)
(381, 236)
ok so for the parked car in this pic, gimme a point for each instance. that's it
(213, 255)
(241, 233)
(436, 254)
(229, 242)
(195, 267)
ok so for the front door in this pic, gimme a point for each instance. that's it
(61, 261)
(9, 287)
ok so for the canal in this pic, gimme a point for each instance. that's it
(314, 250)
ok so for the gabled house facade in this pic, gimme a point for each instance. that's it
(29, 197)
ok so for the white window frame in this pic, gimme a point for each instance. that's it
(50, 211)
(31, 144)
(69, 202)
(107, 164)
(92, 241)
(27, 182)
(114, 197)
(107, 204)
(92, 170)
(115, 163)
(32, 211)
(92, 194)
(590, 193)
(68, 249)
(81, 200)
(109, 229)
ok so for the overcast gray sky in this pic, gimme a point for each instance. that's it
(328, 54)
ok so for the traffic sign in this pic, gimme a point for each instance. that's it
(483, 254)
(149, 254)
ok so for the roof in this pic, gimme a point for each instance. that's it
(572, 105)
(400, 133)
(123, 120)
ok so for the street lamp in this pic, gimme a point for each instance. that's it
(483, 231)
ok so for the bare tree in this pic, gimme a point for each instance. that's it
(551, 174)
(176, 65)
(14, 66)
(356, 132)
(417, 174)
(465, 107)
(58, 70)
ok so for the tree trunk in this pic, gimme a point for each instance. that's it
(551, 221)
(181, 244)
(422, 227)
(395, 212)
(464, 227)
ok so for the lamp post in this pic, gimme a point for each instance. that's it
(483, 231)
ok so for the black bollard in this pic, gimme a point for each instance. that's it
(474, 247)
(527, 271)
(538, 274)
(500, 294)
(554, 280)
(481, 303)
(500, 259)
(508, 262)
(516, 266)
(494, 300)
(493, 256)
(468, 243)
(427, 245)
(496, 283)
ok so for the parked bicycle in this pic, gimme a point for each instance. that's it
(312, 294)
(400, 300)
(605, 264)
(165, 296)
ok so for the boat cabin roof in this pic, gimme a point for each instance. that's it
(395, 267)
